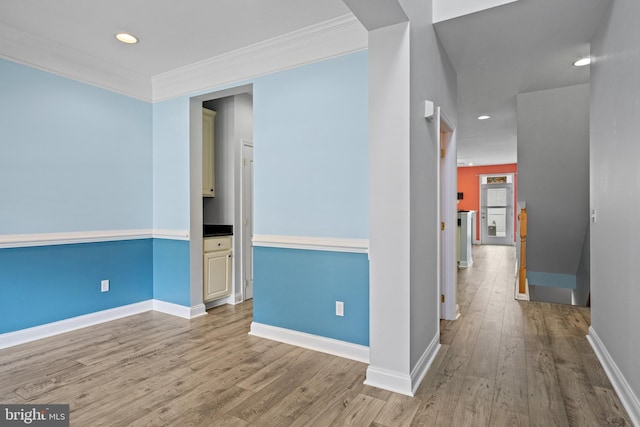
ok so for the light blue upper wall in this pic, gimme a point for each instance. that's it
(311, 150)
(73, 157)
(171, 164)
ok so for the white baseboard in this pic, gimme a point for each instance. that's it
(339, 348)
(54, 328)
(234, 299)
(389, 380)
(401, 383)
(197, 311)
(465, 264)
(519, 296)
(179, 310)
(625, 392)
(216, 303)
(22, 336)
(423, 365)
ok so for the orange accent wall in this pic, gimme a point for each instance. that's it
(469, 184)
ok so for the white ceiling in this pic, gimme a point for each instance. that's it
(524, 46)
(172, 34)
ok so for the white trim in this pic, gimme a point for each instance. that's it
(424, 363)
(48, 239)
(483, 181)
(334, 37)
(339, 348)
(525, 296)
(22, 336)
(170, 234)
(325, 40)
(54, 328)
(400, 383)
(623, 389)
(388, 380)
(179, 310)
(235, 299)
(312, 243)
(445, 10)
(216, 303)
(465, 264)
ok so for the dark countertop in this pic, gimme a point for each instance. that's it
(215, 230)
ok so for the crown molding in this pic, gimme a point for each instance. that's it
(56, 58)
(328, 39)
(335, 37)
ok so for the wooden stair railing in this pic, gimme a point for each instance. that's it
(522, 276)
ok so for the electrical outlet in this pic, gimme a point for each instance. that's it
(104, 286)
(339, 308)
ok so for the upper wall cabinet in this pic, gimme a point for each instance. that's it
(208, 154)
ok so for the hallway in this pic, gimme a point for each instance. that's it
(503, 363)
(512, 363)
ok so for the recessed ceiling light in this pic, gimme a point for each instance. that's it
(582, 62)
(127, 38)
(484, 117)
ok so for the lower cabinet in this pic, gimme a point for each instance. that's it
(217, 268)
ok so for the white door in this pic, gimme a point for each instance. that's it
(496, 214)
(247, 219)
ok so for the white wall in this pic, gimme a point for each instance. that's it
(553, 175)
(432, 78)
(406, 67)
(389, 195)
(615, 190)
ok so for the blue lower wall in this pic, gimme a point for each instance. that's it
(297, 289)
(171, 266)
(293, 289)
(555, 280)
(44, 284)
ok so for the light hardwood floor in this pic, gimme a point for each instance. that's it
(503, 363)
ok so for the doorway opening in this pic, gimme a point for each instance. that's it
(233, 130)
(497, 210)
(247, 220)
(447, 199)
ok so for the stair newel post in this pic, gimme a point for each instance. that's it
(522, 277)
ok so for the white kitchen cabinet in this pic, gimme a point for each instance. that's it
(208, 153)
(217, 268)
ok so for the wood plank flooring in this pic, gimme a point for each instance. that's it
(503, 363)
